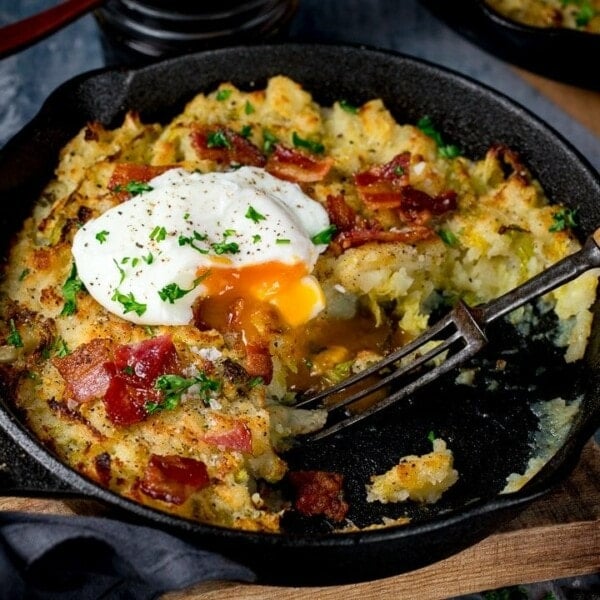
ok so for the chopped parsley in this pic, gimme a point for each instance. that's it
(246, 131)
(225, 247)
(14, 337)
(174, 386)
(256, 381)
(585, 13)
(223, 95)
(129, 303)
(431, 436)
(158, 234)
(565, 218)
(102, 235)
(349, 108)
(248, 107)
(254, 215)
(310, 145)
(133, 187)
(448, 237)
(172, 292)
(70, 289)
(218, 139)
(190, 241)
(256, 238)
(425, 124)
(57, 348)
(121, 271)
(24, 274)
(282, 241)
(269, 141)
(325, 236)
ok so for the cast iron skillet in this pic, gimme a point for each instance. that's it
(488, 426)
(558, 53)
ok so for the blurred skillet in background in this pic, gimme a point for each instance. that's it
(566, 55)
(489, 431)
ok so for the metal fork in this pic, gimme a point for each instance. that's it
(461, 333)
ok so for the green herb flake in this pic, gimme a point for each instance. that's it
(149, 259)
(246, 131)
(70, 289)
(448, 237)
(24, 274)
(133, 187)
(254, 215)
(172, 292)
(249, 108)
(256, 238)
(129, 303)
(121, 271)
(431, 436)
(426, 125)
(223, 95)
(60, 348)
(283, 241)
(14, 337)
(310, 145)
(256, 381)
(218, 139)
(565, 218)
(225, 247)
(325, 236)
(349, 108)
(102, 235)
(173, 386)
(158, 234)
(269, 141)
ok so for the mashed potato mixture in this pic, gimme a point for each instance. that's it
(179, 284)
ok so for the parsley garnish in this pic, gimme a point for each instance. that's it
(197, 237)
(223, 95)
(129, 303)
(158, 234)
(102, 235)
(431, 436)
(14, 337)
(172, 292)
(254, 215)
(69, 289)
(174, 386)
(133, 187)
(310, 145)
(269, 141)
(565, 218)
(448, 237)
(225, 247)
(349, 108)
(256, 238)
(425, 124)
(24, 274)
(256, 381)
(121, 271)
(325, 236)
(218, 139)
(246, 131)
(248, 108)
(282, 241)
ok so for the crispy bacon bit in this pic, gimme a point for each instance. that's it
(134, 371)
(354, 230)
(259, 362)
(413, 200)
(380, 185)
(124, 173)
(225, 146)
(239, 438)
(294, 165)
(173, 478)
(319, 493)
(85, 371)
(102, 462)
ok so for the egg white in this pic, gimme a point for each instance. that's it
(187, 222)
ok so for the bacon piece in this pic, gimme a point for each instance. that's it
(84, 370)
(173, 478)
(319, 493)
(134, 370)
(258, 361)
(239, 438)
(341, 214)
(379, 186)
(225, 146)
(413, 200)
(124, 173)
(358, 237)
(293, 165)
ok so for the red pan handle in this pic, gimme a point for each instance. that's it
(19, 35)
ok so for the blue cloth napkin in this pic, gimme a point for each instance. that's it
(51, 557)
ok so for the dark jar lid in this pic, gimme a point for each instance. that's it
(136, 31)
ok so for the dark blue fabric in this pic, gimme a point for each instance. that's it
(51, 557)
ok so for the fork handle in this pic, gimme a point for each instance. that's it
(558, 274)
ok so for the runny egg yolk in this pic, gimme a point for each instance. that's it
(295, 294)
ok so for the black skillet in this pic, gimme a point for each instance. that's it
(489, 426)
(562, 54)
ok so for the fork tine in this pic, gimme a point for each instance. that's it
(467, 331)
(379, 366)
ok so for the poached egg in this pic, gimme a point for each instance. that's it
(243, 233)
